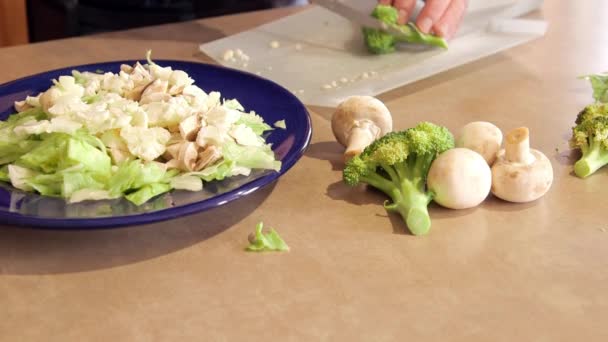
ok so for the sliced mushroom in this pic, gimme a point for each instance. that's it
(176, 90)
(209, 135)
(209, 156)
(126, 68)
(189, 127)
(188, 153)
(21, 106)
(118, 155)
(155, 92)
(172, 151)
(140, 73)
(48, 98)
(358, 121)
(135, 94)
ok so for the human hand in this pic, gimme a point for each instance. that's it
(441, 17)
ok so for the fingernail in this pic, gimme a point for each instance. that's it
(443, 30)
(402, 16)
(425, 24)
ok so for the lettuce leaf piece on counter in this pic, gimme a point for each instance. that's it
(271, 241)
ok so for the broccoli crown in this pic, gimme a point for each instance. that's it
(414, 148)
(592, 111)
(385, 13)
(397, 164)
(591, 131)
(591, 137)
(378, 42)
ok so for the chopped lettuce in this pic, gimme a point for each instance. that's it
(255, 122)
(146, 143)
(134, 174)
(4, 174)
(271, 241)
(187, 182)
(252, 157)
(280, 124)
(147, 192)
(233, 104)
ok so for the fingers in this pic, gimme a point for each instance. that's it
(385, 2)
(448, 24)
(405, 8)
(431, 13)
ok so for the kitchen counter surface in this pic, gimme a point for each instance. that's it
(499, 272)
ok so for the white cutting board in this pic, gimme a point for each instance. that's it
(322, 59)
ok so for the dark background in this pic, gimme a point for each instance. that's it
(54, 19)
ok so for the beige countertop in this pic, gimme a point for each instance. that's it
(499, 272)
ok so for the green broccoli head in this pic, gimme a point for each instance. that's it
(380, 42)
(386, 14)
(592, 111)
(397, 164)
(377, 41)
(591, 137)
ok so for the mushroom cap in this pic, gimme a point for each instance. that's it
(356, 111)
(521, 182)
(460, 178)
(482, 137)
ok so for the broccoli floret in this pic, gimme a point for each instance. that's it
(380, 42)
(591, 137)
(397, 164)
(592, 111)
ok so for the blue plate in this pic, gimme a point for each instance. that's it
(266, 98)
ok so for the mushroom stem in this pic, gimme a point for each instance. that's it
(517, 146)
(360, 137)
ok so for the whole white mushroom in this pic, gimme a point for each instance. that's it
(460, 178)
(358, 121)
(520, 174)
(482, 137)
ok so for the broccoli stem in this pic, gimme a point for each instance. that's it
(592, 160)
(411, 203)
(411, 34)
(408, 199)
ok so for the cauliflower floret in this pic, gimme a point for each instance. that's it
(178, 81)
(68, 104)
(222, 118)
(146, 143)
(116, 83)
(169, 113)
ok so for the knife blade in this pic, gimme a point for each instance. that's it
(363, 19)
